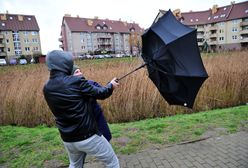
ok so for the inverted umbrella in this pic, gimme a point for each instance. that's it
(173, 60)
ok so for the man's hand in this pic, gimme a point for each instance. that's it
(115, 83)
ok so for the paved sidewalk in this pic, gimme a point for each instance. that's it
(228, 151)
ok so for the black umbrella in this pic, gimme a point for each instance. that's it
(173, 60)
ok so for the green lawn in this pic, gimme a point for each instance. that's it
(32, 147)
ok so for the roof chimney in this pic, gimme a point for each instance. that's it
(125, 23)
(177, 13)
(67, 15)
(20, 17)
(96, 17)
(7, 12)
(232, 2)
(3, 17)
(77, 16)
(89, 22)
(120, 19)
(214, 9)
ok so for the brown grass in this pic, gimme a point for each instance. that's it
(22, 101)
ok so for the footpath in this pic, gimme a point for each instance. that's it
(226, 151)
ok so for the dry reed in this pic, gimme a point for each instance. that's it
(22, 101)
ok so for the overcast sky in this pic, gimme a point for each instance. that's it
(49, 13)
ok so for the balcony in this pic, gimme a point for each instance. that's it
(200, 43)
(213, 42)
(60, 39)
(200, 36)
(61, 46)
(105, 42)
(244, 23)
(212, 28)
(200, 29)
(244, 31)
(3, 54)
(2, 45)
(1, 36)
(244, 40)
(213, 36)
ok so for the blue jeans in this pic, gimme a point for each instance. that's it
(96, 146)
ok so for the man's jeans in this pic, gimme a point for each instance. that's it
(96, 146)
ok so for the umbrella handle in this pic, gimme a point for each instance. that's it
(141, 66)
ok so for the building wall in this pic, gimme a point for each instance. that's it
(29, 43)
(221, 35)
(86, 42)
(226, 35)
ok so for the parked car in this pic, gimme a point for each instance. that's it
(23, 62)
(119, 55)
(3, 61)
(12, 61)
(89, 56)
(99, 56)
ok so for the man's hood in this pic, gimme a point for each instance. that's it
(60, 61)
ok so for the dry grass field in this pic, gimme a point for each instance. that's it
(22, 101)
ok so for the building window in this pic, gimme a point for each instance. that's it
(221, 31)
(7, 40)
(216, 17)
(11, 18)
(35, 40)
(27, 49)
(221, 38)
(3, 24)
(25, 33)
(8, 49)
(234, 29)
(29, 18)
(34, 32)
(234, 21)
(26, 41)
(35, 48)
(18, 52)
(246, 11)
(234, 37)
(221, 24)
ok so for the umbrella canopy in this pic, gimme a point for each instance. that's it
(173, 60)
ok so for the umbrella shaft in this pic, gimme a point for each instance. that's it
(132, 71)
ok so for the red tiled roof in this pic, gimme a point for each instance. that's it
(240, 10)
(225, 13)
(28, 23)
(77, 24)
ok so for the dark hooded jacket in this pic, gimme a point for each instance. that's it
(69, 98)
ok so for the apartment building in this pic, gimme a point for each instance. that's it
(19, 35)
(89, 36)
(218, 28)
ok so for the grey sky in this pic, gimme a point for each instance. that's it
(49, 13)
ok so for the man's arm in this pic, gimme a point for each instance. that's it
(98, 92)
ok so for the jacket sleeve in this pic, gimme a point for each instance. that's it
(94, 83)
(97, 92)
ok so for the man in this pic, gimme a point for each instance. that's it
(69, 98)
